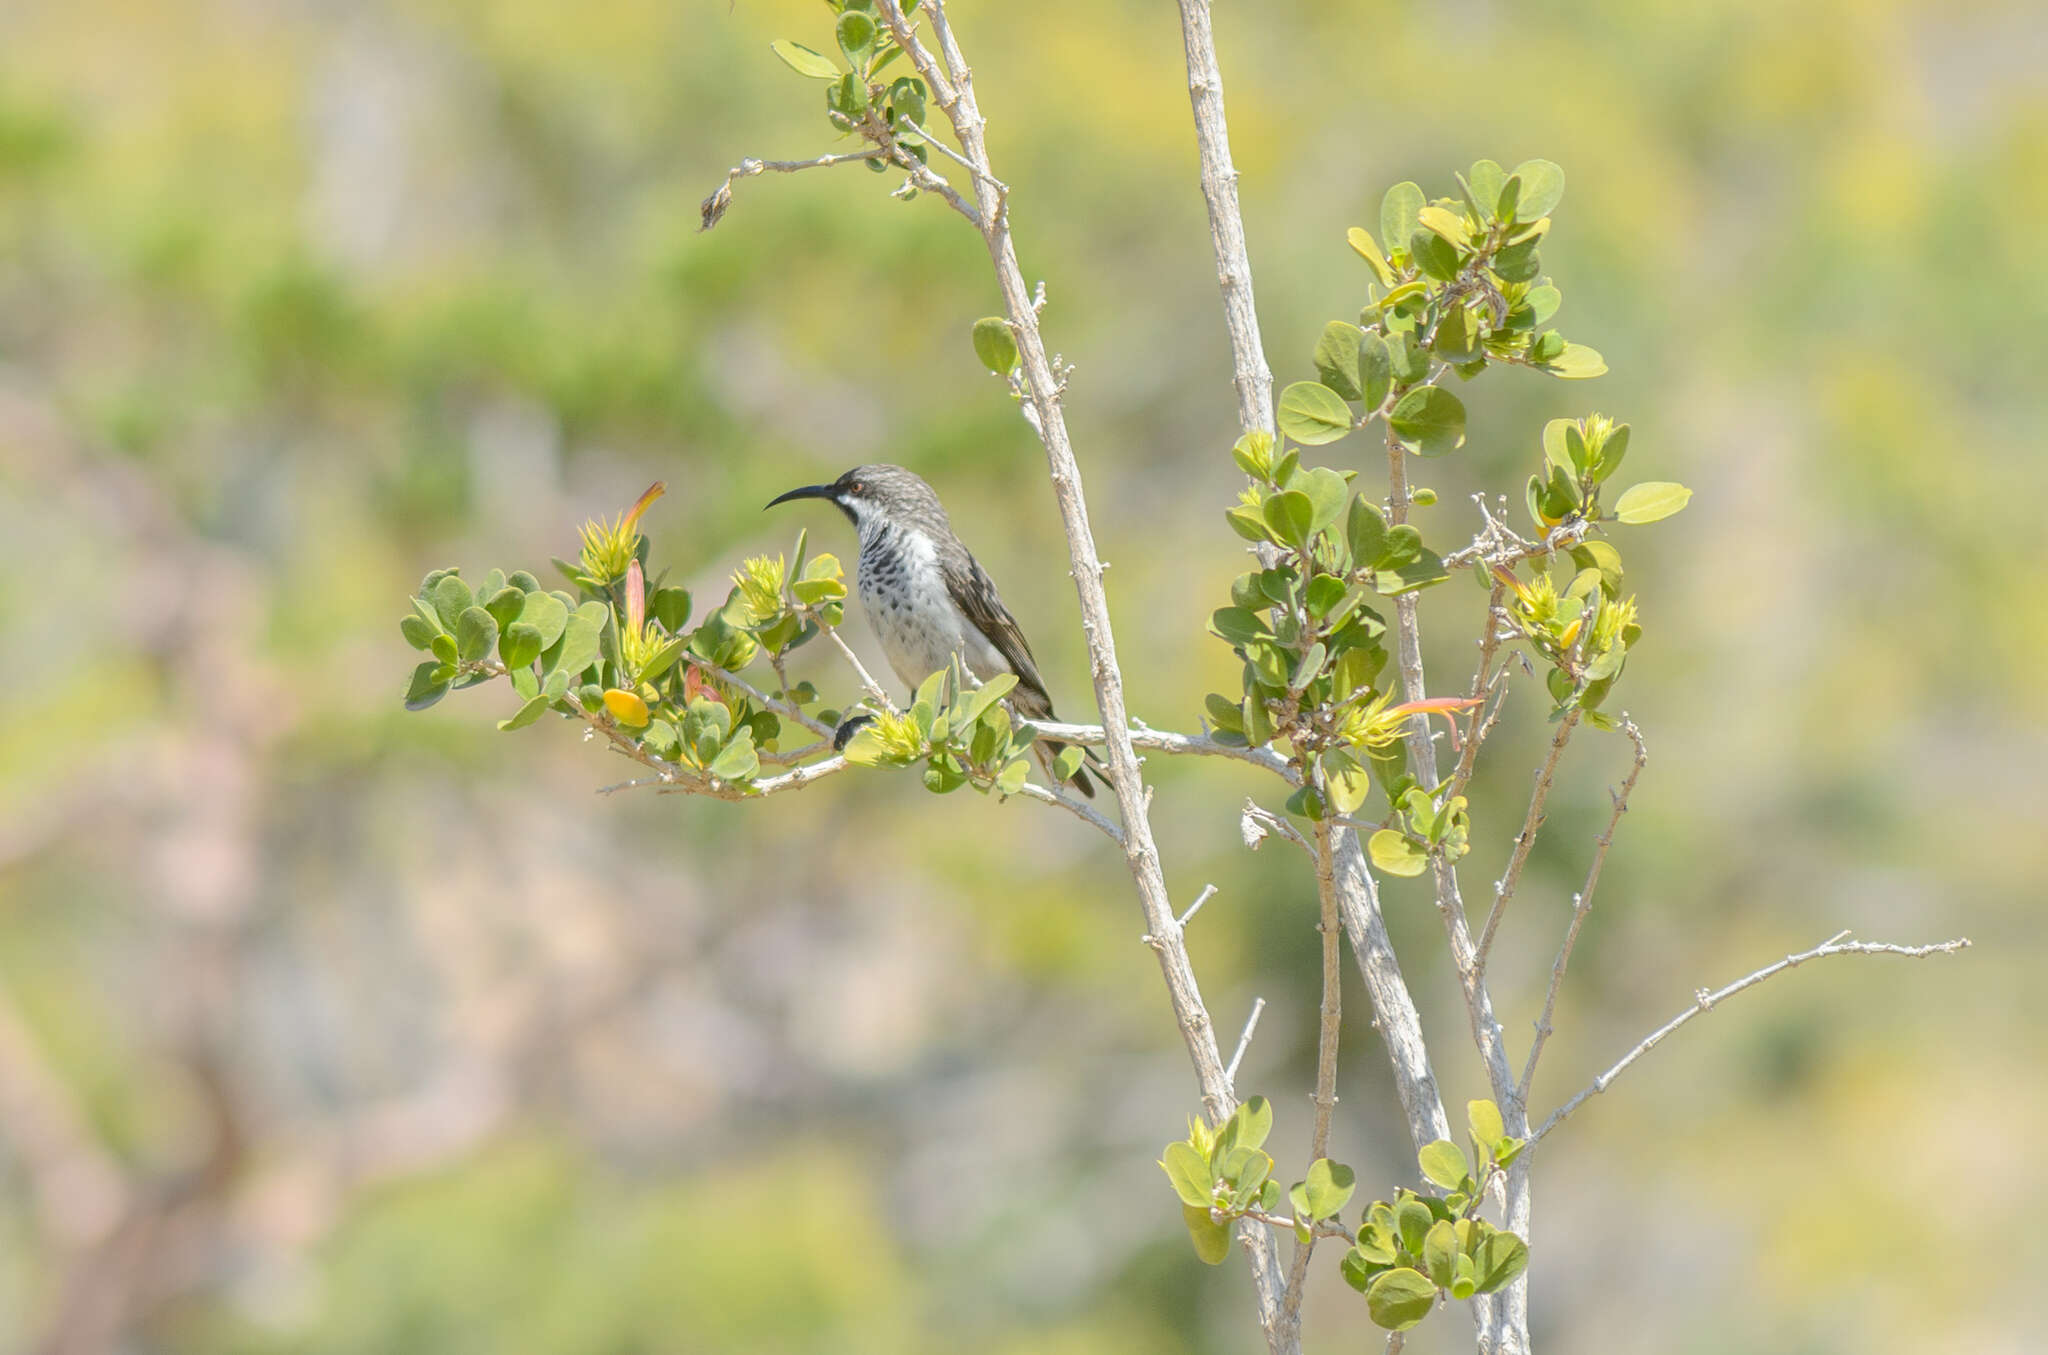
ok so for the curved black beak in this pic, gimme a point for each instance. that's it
(807, 492)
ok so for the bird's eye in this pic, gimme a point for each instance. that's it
(856, 488)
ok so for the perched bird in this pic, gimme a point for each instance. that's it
(925, 594)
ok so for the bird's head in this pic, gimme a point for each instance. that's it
(868, 494)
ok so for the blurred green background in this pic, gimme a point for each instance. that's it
(330, 1029)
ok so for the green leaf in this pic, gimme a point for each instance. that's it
(526, 714)
(1395, 853)
(1358, 1272)
(1651, 501)
(1433, 255)
(737, 761)
(1611, 452)
(1518, 263)
(1542, 303)
(1068, 762)
(1556, 449)
(547, 614)
(1576, 363)
(520, 645)
(1486, 180)
(803, 60)
(995, 344)
(1348, 784)
(1498, 1259)
(1327, 490)
(580, 638)
(1428, 421)
(476, 630)
(1313, 414)
(1456, 340)
(1483, 1118)
(1190, 1173)
(1446, 224)
(1375, 371)
(1440, 1253)
(1291, 514)
(1012, 778)
(1399, 211)
(906, 99)
(1336, 359)
(1369, 250)
(1366, 531)
(450, 598)
(1444, 1163)
(504, 605)
(856, 33)
(1409, 359)
(417, 632)
(1398, 1299)
(429, 684)
(1211, 1239)
(1239, 625)
(1254, 1120)
(970, 706)
(669, 606)
(1328, 1188)
(1541, 188)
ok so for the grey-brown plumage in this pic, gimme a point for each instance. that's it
(927, 596)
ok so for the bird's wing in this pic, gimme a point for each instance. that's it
(975, 594)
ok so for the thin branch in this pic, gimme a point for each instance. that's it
(1244, 1040)
(787, 709)
(1705, 1001)
(1532, 823)
(1252, 377)
(1166, 741)
(1482, 680)
(1330, 1019)
(867, 681)
(953, 86)
(713, 207)
(1080, 809)
(1259, 823)
(1208, 893)
(1582, 904)
(1323, 1227)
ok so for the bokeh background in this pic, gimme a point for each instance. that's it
(330, 1029)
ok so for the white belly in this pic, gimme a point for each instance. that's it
(915, 620)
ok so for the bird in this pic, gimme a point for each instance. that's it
(926, 595)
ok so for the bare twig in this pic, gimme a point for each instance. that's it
(1482, 679)
(1244, 1039)
(1166, 741)
(1253, 378)
(787, 709)
(1080, 809)
(1329, 1022)
(867, 681)
(1705, 1001)
(1532, 823)
(1208, 893)
(952, 84)
(1582, 904)
(1322, 1227)
(713, 207)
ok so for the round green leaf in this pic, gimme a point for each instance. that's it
(1399, 210)
(1576, 362)
(1375, 370)
(1428, 421)
(803, 60)
(1650, 501)
(1211, 1239)
(526, 715)
(1189, 1172)
(995, 345)
(1292, 515)
(1336, 358)
(520, 645)
(416, 631)
(476, 630)
(1542, 188)
(1444, 1163)
(1400, 1298)
(1396, 854)
(1483, 1118)
(1328, 1188)
(856, 34)
(1312, 414)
